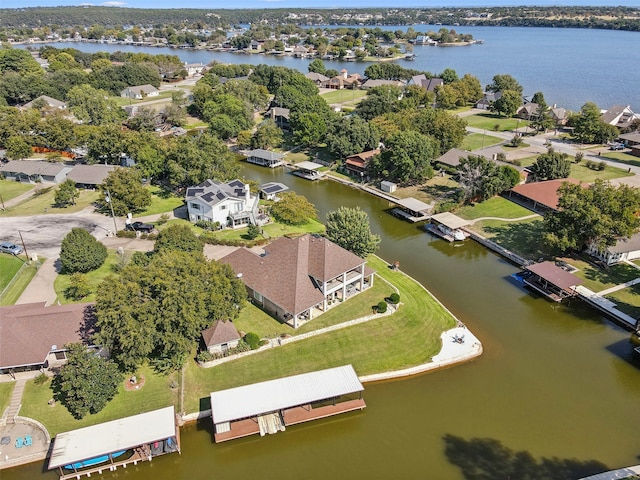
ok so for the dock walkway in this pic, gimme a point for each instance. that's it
(604, 305)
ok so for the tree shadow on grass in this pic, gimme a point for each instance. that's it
(523, 238)
(617, 274)
(489, 459)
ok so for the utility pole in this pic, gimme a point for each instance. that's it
(113, 215)
(23, 245)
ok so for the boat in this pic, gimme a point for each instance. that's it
(94, 461)
(457, 235)
(170, 445)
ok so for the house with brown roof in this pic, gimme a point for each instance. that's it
(540, 197)
(221, 337)
(33, 336)
(619, 116)
(344, 80)
(297, 279)
(357, 164)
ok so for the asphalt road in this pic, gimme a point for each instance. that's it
(43, 234)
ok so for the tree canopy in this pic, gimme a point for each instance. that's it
(293, 209)
(588, 127)
(157, 311)
(550, 166)
(126, 193)
(482, 178)
(406, 158)
(80, 252)
(600, 213)
(349, 228)
(180, 238)
(349, 135)
(87, 382)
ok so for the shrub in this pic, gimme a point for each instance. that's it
(579, 157)
(601, 166)
(253, 231)
(448, 206)
(41, 379)
(204, 356)
(394, 298)
(80, 252)
(208, 225)
(496, 127)
(78, 287)
(252, 339)
(516, 141)
(382, 306)
(164, 218)
(125, 234)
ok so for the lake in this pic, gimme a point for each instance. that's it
(570, 66)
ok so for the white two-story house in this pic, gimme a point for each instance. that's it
(231, 204)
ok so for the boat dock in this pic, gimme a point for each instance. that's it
(269, 407)
(412, 210)
(448, 226)
(95, 449)
(308, 170)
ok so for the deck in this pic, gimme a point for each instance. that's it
(141, 454)
(410, 216)
(239, 429)
(305, 413)
(539, 287)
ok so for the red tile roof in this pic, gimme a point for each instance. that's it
(28, 332)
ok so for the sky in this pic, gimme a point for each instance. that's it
(311, 3)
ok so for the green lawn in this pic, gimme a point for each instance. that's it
(122, 101)
(488, 121)
(6, 388)
(494, 207)
(627, 300)
(523, 238)
(296, 157)
(597, 279)
(162, 201)
(344, 96)
(21, 281)
(10, 189)
(621, 157)
(9, 266)
(95, 277)
(581, 172)
(156, 393)
(474, 141)
(407, 338)
(44, 203)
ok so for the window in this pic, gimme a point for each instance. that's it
(257, 296)
(223, 207)
(195, 206)
(60, 355)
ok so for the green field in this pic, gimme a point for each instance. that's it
(10, 189)
(162, 201)
(523, 237)
(156, 393)
(494, 207)
(581, 172)
(9, 266)
(407, 338)
(474, 141)
(489, 121)
(344, 96)
(94, 278)
(44, 203)
(597, 279)
(627, 300)
(20, 282)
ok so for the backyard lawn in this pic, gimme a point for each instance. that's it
(494, 207)
(9, 266)
(409, 337)
(523, 237)
(10, 189)
(20, 280)
(489, 121)
(344, 96)
(94, 278)
(581, 172)
(474, 141)
(43, 202)
(627, 300)
(597, 279)
(162, 201)
(6, 388)
(156, 393)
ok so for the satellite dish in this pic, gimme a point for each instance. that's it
(54, 347)
(239, 275)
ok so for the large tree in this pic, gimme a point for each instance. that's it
(550, 166)
(126, 193)
(157, 311)
(349, 228)
(406, 158)
(87, 382)
(351, 135)
(93, 105)
(589, 128)
(293, 209)
(80, 252)
(507, 104)
(502, 83)
(600, 213)
(480, 178)
(66, 193)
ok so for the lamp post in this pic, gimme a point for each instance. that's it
(113, 215)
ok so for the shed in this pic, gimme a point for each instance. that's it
(388, 187)
(221, 336)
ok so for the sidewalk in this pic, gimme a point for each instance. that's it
(40, 289)
(20, 198)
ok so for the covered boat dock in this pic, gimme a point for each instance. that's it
(308, 170)
(268, 407)
(412, 209)
(552, 281)
(265, 158)
(448, 226)
(99, 447)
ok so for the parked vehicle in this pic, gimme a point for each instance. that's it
(139, 227)
(617, 146)
(8, 247)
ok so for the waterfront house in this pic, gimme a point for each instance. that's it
(230, 204)
(487, 99)
(345, 80)
(139, 92)
(625, 249)
(429, 84)
(559, 115)
(265, 158)
(630, 139)
(33, 171)
(280, 116)
(619, 116)
(540, 197)
(317, 78)
(49, 101)
(452, 157)
(221, 337)
(357, 164)
(194, 68)
(33, 336)
(528, 111)
(371, 83)
(297, 279)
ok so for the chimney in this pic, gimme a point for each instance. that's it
(247, 192)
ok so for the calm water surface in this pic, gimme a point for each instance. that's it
(570, 66)
(554, 381)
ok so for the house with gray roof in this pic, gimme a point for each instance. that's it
(429, 84)
(297, 279)
(317, 78)
(90, 176)
(221, 337)
(34, 171)
(50, 102)
(619, 116)
(230, 204)
(625, 249)
(138, 92)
